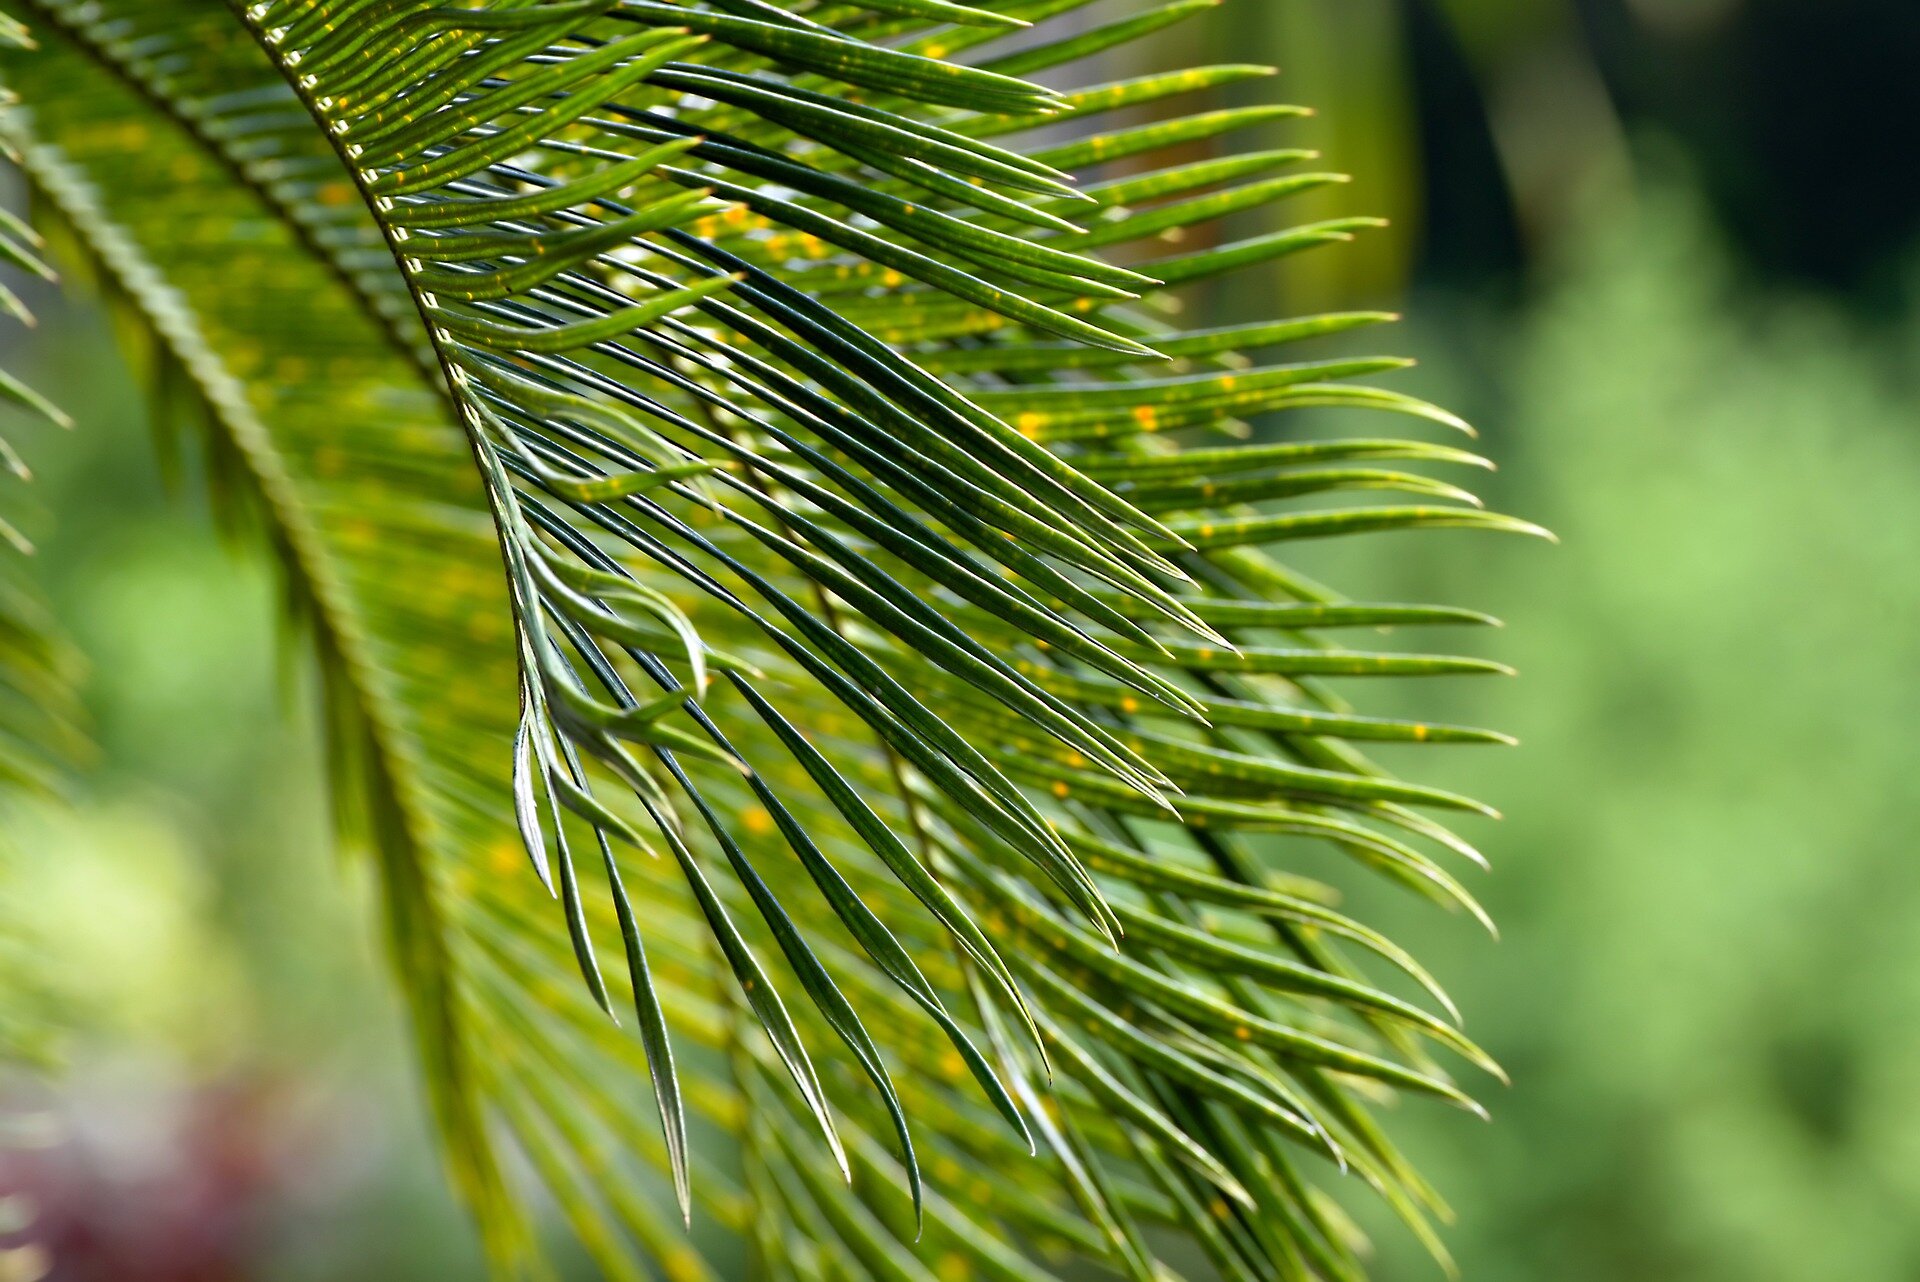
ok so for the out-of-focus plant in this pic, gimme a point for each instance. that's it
(879, 575)
(1705, 979)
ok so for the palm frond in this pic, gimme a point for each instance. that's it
(861, 549)
(163, 265)
(40, 713)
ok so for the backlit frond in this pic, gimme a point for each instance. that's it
(918, 741)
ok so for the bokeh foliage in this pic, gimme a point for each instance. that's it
(1703, 986)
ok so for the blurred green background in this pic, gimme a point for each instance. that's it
(1661, 251)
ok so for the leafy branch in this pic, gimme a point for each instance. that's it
(855, 538)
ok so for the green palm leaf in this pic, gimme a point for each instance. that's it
(40, 713)
(874, 598)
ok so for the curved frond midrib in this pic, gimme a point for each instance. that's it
(103, 53)
(394, 793)
(171, 322)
